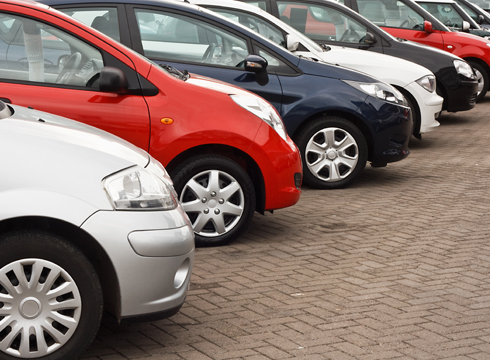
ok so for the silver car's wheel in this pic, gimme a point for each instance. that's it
(333, 151)
(40, 308)
(50, 297)
(218, 196)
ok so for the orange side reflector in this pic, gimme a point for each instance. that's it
(167, 121)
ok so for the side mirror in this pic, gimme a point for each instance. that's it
(480, 19)
(466, 25)
(369, 39)
(258, 65)
(428, 26)
(113, 80)
(292, 42)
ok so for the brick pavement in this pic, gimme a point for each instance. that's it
(394, 267)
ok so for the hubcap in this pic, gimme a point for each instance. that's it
(331, 154)
(40, 308)
(214, 202)
(30, 307)
(480, 79)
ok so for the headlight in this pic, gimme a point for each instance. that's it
(138, 189)
(428, 83)
(263, 110)
(463, 68)
(379, 90)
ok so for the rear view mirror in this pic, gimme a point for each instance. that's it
(258, 65)
(369, 38)
(427, 26)
(113, 80)
(292, 42)
(466, 25)
(480, 19)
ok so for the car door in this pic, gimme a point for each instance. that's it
(50, 69)
(193, 44)
(400, 20)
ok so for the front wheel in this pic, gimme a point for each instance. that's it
(218, 196)
(333, 151)
(482, 77)
(50, 298)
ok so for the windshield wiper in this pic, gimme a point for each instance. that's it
(184, 75)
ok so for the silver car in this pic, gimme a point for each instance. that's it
(87, 222)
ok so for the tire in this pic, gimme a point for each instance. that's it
(415, 118)
(482, 76)
(320, 158)
(46, 280)
(218, 196)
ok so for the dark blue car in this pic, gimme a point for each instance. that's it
(339, 118)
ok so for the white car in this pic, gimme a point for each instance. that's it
(416, 82)
(87, 222)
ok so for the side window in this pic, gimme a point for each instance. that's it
(445, 14)
(390, 13)
(34, 51)
(254, 23)
(321, 22)
(169, 36)
(103, 19)
(274, 64)
(470, 12)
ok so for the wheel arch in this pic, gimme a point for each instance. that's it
(240, 157)
(417, 121)
(83, 241)
(347, 116)
(479, 62)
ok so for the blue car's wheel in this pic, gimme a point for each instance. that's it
(333, 150)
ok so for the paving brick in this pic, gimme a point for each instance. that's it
(396, 266)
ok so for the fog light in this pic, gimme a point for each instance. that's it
(181, 274)
(297, 180)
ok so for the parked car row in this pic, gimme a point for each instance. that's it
(223, 112)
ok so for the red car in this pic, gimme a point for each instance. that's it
(226, 149)
(408, 20)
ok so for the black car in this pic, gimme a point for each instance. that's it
(459, 91)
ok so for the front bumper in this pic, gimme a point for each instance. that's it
(460, 91)
(391, 128)
(430, 105)
(152, 253)
(281, 167)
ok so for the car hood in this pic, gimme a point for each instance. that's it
(61, 158)
(217, 85)
(311, 66)
(51, 129)
(384, 67)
